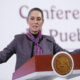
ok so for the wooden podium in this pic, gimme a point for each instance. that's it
(39, 68)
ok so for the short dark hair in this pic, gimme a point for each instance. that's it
(36, 9)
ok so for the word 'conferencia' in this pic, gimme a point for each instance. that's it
(53, 13)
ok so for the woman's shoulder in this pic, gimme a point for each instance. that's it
(49, 38)
(23, 35)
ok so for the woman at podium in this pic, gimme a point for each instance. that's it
(32, 43)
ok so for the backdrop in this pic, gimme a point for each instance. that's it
(62, 21)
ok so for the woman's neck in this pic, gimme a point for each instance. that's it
(35, 35)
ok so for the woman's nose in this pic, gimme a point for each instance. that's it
(35, 21)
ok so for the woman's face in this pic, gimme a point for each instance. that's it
(35, 21)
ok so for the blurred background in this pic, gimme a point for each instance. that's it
(61, 20)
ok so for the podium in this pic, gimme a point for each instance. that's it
(39, 68)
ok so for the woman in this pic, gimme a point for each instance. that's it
(33, 43)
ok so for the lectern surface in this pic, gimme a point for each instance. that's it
(39, 68)
(49, 75)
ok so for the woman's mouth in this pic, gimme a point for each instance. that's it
(35, 26)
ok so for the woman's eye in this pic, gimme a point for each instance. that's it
(38, 19)
(32, 18)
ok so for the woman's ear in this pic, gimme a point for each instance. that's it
(27, 20)
(43, 22)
